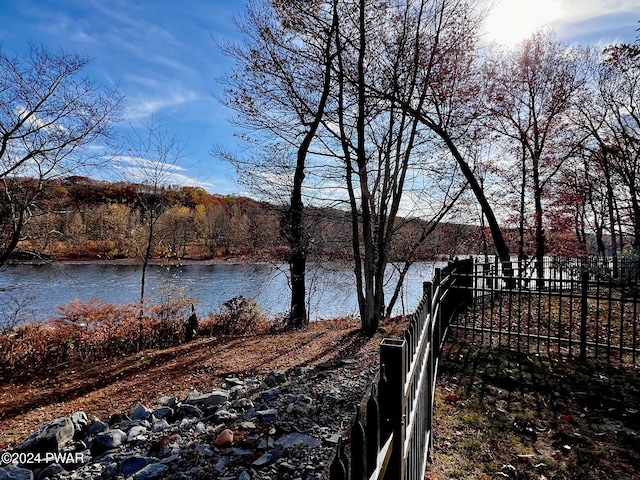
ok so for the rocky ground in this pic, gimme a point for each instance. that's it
(285, 426)
(273, 406)
(280, 424)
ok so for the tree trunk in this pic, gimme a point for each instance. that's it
(539, 230)
(371, 318)
(298, 315)
(298, 251)
(612, 218)
(502, 249)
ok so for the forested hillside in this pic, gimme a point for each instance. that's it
(86, 219)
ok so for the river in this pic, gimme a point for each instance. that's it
(42, 288)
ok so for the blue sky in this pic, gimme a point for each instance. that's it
(163, 56)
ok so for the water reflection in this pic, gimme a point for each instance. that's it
(331, 286)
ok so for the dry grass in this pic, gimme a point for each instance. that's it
(116, 385)
(502, 414)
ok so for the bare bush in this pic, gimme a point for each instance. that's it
(239, 316)
(88, 332)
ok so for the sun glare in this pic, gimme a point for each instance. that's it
(511, 21)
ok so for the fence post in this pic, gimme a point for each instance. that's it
(373, 430)
(427, 294)
(391, 399)
(338, 468)
(583, 315)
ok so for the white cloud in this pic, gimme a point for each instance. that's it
(145, 105)
(137, 169)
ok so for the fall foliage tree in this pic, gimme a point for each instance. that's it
(532, 93)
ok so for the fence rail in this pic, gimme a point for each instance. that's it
(391, 437)
(583, 308)
(578, 309)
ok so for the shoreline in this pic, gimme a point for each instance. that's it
(228, 260)
(231, 260)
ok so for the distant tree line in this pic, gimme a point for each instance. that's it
(82, 218)
(87, 219)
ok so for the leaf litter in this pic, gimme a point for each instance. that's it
(504, 414)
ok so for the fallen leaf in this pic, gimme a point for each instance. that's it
(452, 398)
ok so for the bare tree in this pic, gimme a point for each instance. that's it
(50, 120)
(388, 61)
(280, 87)
(450, 104)
(532, 92)
(149, 161)
(615, 124)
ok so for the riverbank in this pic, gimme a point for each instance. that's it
(498, 414)
(116, 386)
(227, 260)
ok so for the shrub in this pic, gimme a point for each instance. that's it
(90, 331)
(239, 316)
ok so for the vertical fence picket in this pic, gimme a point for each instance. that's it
(358, 458)
(339, 466)
(391, 393)
(373, 430)
(584, 312)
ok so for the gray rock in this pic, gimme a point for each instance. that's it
(163, 412)
(244, 475)
(170, 402)
(216, 397)
(271, 394)
(240, 452)
(134, 464)
(268, 415)
(221, 464)
(97, 426)
(140, 412)
(242, 404)
(118, 418)
(237, 391)
(263, 461)
(80, 421)
(50, 436)
(151, 472)
(11, 472)
(203, 450)
(186, 410)
(159, 425)
(223, 415)
(295, 439)
(233, 382)
(277, 377)
(129, 424)
(137, 433)
(107, 440)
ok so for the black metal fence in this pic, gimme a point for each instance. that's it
(579, 308)
(391, 437)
